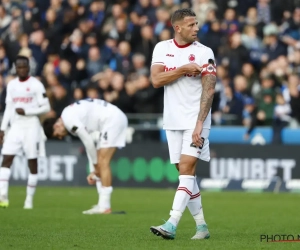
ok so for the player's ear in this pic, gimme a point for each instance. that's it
(57, 122)
(177, 28)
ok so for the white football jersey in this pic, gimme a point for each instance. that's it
(90, 114)
(182, 97)
(29, 95)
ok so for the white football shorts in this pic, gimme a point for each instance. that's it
(180, 143)
(113, 132)
(42, 144)
(20, 139)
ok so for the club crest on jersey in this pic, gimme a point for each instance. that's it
(192, 58)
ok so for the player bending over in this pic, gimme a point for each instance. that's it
(83, 119)
(25, 99)
(187, 71)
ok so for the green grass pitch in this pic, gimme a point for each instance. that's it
(236, 220)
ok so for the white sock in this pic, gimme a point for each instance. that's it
(4, 181)
(98, 186)
(104, 201)
(31, 185)
(195, 205)
(182, 197)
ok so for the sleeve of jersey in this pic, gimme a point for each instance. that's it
(42, 100)
(8, 111)
(158, 54)
(88, 144)
(208, 64)
(6, 116)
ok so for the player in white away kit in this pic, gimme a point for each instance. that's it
(187, 71)
(83, 119)
(25, 99)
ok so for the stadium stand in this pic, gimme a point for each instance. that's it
(103, 49)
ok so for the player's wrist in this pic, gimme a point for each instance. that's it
(92, 175)
(199, 122)
(181, 70)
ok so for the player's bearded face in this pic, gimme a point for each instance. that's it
(59, 130)
(188, 29)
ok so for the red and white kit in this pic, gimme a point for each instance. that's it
(85, 117)
(25, 133)
(182, 97)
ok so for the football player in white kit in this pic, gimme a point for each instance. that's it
(83, 119)
(26, 99)
(187, 71)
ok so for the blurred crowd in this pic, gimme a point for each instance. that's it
(103, 48)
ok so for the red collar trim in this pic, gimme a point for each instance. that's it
(24, 80)
(181, 46)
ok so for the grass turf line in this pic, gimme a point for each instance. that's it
(236, 220)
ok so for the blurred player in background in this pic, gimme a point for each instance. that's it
(187, 71)
(26, 99)
(84, 118)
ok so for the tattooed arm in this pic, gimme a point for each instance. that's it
(208, 91)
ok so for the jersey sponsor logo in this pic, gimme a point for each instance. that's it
(170, 55)
(22, 99)
(28, 89)
(170, 69)
(192, 58)
(173, 68)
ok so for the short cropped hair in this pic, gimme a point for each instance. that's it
(180, 14)
(48, 127)
(22, 58)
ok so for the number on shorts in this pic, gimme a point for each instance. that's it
(104, 136)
